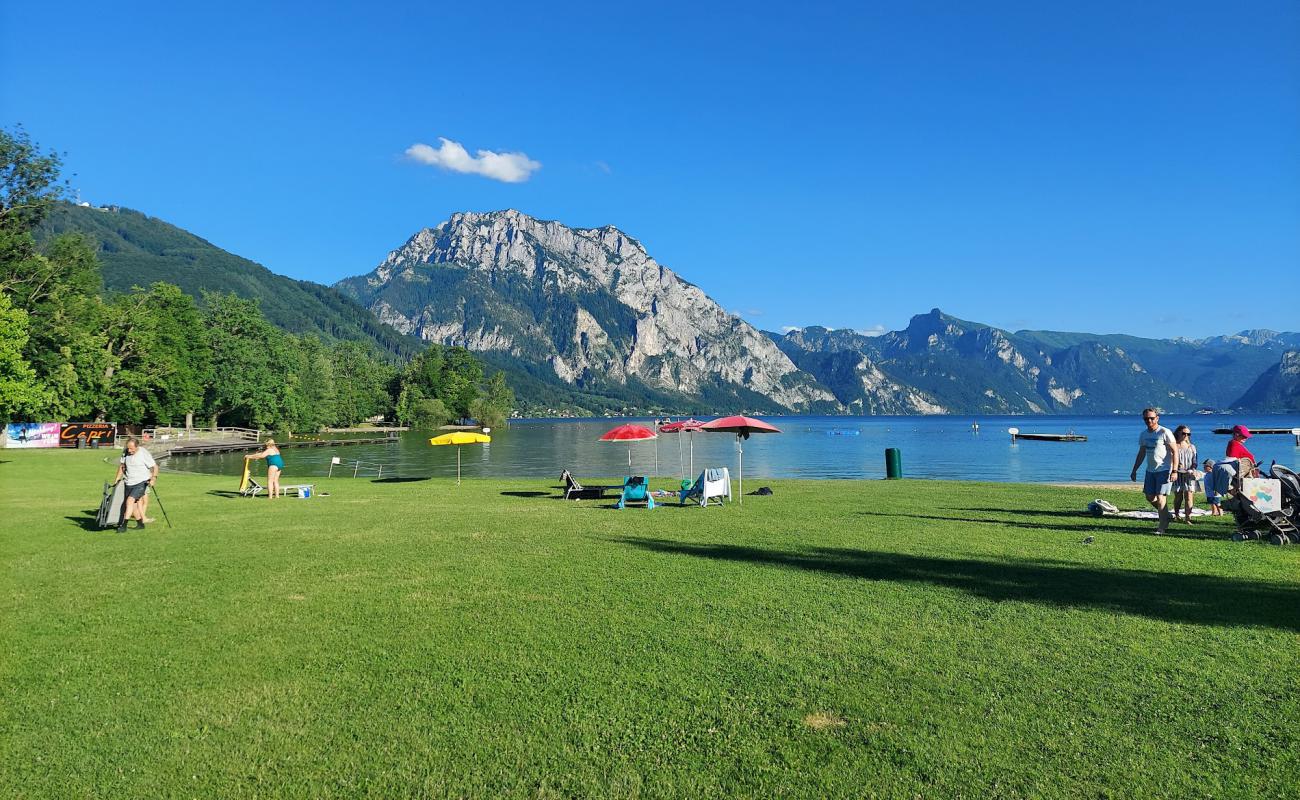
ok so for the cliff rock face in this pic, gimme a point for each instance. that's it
(591, 304)
(1278, 389)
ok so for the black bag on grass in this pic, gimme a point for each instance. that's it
(110, 508)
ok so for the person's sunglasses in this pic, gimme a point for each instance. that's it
(1151, 419)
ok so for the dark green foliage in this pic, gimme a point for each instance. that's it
(444, 384)
(360, 385)
(159, 361)
(138, 250)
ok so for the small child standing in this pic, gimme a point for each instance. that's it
(1186, 481)
(1211, 497)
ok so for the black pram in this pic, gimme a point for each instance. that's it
(1279, 526)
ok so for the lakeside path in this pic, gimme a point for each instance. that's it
(837, 639)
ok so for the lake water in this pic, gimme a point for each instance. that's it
(807, 447)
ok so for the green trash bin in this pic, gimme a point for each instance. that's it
(893, 463)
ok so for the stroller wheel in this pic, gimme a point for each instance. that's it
(1278, 539)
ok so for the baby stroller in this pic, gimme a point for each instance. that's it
(1267, 506)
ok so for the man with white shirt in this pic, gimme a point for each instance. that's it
(1158, 447)
(141, 472)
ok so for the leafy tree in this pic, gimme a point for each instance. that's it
(57, 289)
(29, 186)
(316, 384)
(158, 360)
(20, 396)
(461, 375)
(250, 360)
(361, 384)
(493, 406)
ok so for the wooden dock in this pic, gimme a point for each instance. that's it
(1265, 432)
(245, 447)
(1046, 437)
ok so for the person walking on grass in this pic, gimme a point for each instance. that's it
(274, 464)
(141, 472)
(1186, 481)
(1157, 446)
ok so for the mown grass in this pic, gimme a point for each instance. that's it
(849, 639)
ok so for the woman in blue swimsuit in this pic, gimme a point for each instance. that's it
(274, 463)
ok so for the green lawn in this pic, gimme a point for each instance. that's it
(846, 639)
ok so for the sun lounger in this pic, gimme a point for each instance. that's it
(576, 491)
(636, 489)
(253, 489)
(713, 484)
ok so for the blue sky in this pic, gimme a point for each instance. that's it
(1110, 167)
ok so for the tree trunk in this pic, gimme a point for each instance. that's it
(189, 420)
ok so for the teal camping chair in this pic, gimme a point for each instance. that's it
(636, 489)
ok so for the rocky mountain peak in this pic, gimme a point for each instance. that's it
(591, 302)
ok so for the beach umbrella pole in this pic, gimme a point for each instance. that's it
(740, 450)
(458, 465)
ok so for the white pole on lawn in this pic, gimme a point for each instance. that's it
(740, 448)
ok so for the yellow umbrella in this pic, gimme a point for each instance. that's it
(459, 438)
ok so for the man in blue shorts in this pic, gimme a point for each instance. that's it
(1158, 447)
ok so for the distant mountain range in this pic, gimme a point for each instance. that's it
(586, 321)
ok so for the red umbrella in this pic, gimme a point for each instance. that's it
(683, 426)
(629, 433)
(742, 427)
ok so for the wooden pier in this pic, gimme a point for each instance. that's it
(1266, 432)
(1046, 437)
(245, 447)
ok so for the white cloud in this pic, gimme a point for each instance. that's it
(788, 328)
(874, 330)
(449, 155)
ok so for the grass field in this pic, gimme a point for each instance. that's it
(837, 639)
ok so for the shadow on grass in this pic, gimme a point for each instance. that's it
(1086, 523)
(88, 521)
(225, 493)
(528, 494)
(400, 480)
(1196, 599)
(1144, 527)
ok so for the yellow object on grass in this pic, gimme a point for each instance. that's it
(243, 479)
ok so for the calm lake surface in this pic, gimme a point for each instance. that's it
(807, 447)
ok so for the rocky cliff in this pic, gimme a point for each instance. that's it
(1278, 389)
(591, 304)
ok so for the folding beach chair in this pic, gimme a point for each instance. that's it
(636, 489)
(110, 508)
(576, 491)
(252, 488)
(713, 484)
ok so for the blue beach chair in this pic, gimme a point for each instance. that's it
(636, 489)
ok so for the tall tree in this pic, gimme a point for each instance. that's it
(361, 384)
(249, 364)
(493, 406)
(316, 384)
(157, 356)
(20, 396)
